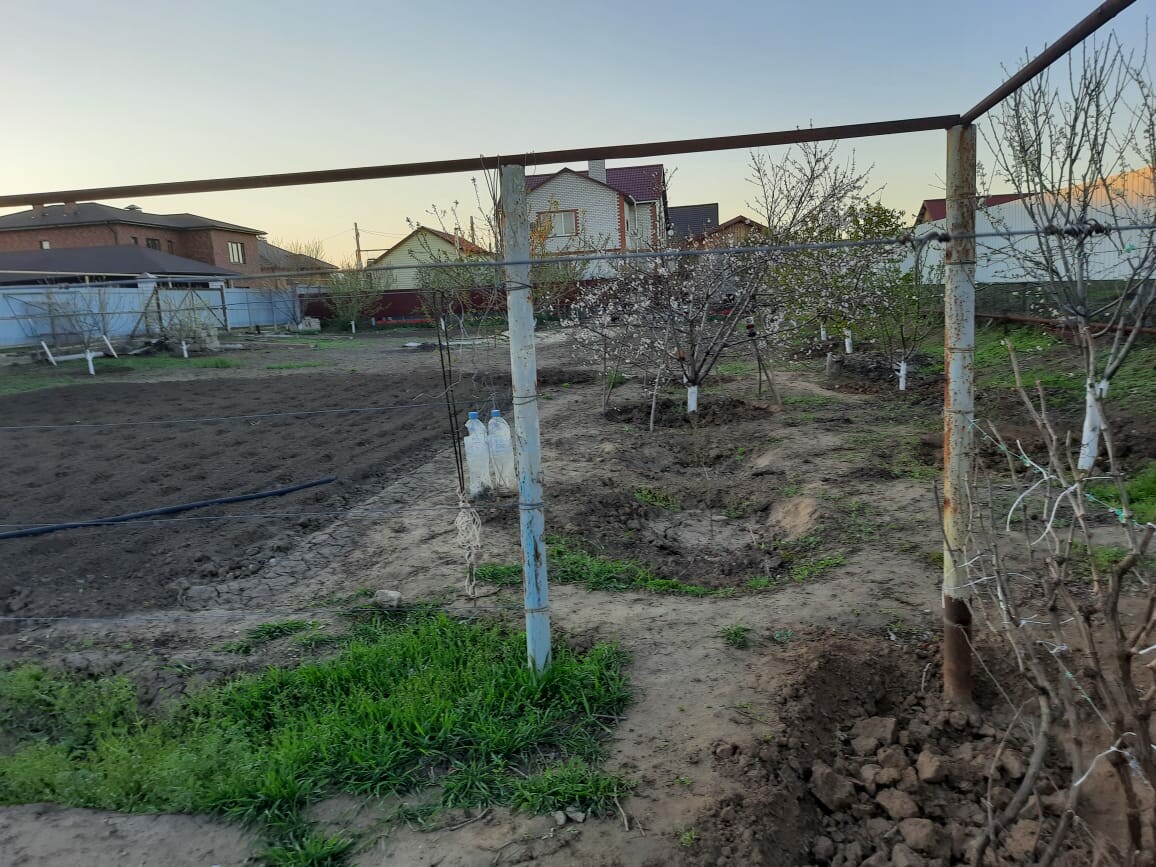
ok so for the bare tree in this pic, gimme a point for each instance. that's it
(352, 293)
(284, 292)
(1081, 152)
(1077, 616)
(85, 314)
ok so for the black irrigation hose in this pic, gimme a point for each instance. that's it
(164, 510)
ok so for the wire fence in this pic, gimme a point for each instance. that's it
(623, 311)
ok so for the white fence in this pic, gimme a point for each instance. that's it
(67, 313)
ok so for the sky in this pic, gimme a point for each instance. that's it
(98, 94)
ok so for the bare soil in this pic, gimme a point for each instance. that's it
(817, 522)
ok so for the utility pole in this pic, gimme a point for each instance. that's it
(357, 242)
(515, 227)
(958, 411)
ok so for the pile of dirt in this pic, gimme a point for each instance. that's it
(712, 410)
(874, 373)
(873, 769)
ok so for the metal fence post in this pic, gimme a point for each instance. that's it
(524, 375)
(958, 410)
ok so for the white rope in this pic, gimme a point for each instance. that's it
(469, 527)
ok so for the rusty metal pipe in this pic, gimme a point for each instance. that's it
(482, 163)
(1096, 19)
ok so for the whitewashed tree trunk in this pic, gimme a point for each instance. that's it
(823, 333)
(692, 398)
(847, 340)
(903, 376)
(184, 349)
(88, 359)
(353, 327)
(1093, 425)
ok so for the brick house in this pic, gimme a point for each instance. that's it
(600, 209)
(92, 224)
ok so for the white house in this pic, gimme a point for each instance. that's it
(599, 210)
(422, 246)
(1010, 270)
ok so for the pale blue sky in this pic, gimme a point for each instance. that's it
(101, 93)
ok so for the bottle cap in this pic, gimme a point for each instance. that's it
(472, 415)
(495, 413)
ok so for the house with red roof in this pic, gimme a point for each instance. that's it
(599, 209)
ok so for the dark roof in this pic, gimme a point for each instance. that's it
(126, 260)
(641, 183)
(936, 209)
(687, 221)
(740, 220)
(274, 258)
(89, 213)
(459, 243)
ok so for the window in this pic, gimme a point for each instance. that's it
(153, 243)
(45, 245)
(170, 243)
(559, 223)
(236, 252)
(136, 240)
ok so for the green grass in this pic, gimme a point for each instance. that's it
(569, 563)
(810, 568)
(736, 636)
(759, 582)
(23, 379)
(809, 400)
(414, 700)
(265, 633)
(736, 368)
(164, 362)
(658, 498)
(1141, 490)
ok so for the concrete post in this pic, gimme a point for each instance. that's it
(958, 410)
(524, 375)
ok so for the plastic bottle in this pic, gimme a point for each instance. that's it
(477, 456)
(501, 445)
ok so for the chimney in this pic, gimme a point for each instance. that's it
(136, 208)
(598, 170)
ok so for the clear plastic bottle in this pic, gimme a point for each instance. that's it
(477, 456)
(501, 444)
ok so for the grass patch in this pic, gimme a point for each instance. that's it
(658, 498)
(809, 569)
(413, 700)
(571, 564)
(736, 368)
(736, 636)
(807, 400)
(163, 362)
(1141, 490)
(501, 574)
(263, 634)
(759, 582)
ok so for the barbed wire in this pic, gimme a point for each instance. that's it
(1046, 476)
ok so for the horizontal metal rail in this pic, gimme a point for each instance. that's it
(483, 163)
